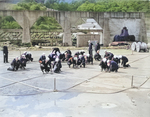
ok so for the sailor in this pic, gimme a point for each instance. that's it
(23, 62)
(90, 48)
(97, 47)
(124, 61)
(112, 66)
(43, 57)
(5, 53)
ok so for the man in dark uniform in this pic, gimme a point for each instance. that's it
(15, 64)
(42, 58)
(113, 66)
(55, 50)
(116, 59)
(68, 54)
(23, 62)
(83, 61)
(77, 54)
(90, 48)
(45, 65)
(97, 56)
(111, 55)
(103, 64)
(124, 61)
(108, 55)
(97, 47)
(68, 51)
(5, 53)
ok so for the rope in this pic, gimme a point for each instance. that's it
(139, 59)
(38, 88)
(64, 90)
(143, 83)
(20, 81)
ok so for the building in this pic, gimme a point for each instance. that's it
(93, 28)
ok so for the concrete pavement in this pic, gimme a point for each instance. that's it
(81, 92)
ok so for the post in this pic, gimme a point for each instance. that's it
(55, 90)
(132, 82)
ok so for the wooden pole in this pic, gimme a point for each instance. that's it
(132, 82)
(55, 85)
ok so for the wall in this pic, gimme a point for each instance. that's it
(37, 36)
(133, 26)
(82, 39)
(5, 6)
(111, 22)
(147, 20)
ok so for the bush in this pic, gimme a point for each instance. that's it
(26, 44)
(14, 42)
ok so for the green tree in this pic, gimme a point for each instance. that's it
(83, 7)
(35, 7)
(29, 6)
(8, 22)
(99, 8)
(47, 23)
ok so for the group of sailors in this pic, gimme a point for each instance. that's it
(112, 62)
(78, 59)
(20, 62)
(52, 62)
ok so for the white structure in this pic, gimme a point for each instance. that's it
(94, 28)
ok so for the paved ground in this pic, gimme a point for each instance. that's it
(80, 92)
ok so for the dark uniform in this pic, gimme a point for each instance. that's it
(103, 65)
(83, 61)
(42, 58)
(97, 47)
(89, 59)
(57, 65)
(71, 61)
(77, 54)
(56, 50)
(124, 61)
(97, 56)
(82, 52)
(68, 52)
(113, 66)
(52, 56)
(45, 65)
(15, 64)
(68, 55)
(109, 55)
(23, 62)
(90, 49)
(5, 53)
(117, 60)
(29, 57)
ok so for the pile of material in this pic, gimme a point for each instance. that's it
(138, 46)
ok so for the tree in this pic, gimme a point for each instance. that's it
(29, 6)
(52, 1)
(8, 22)
(35, 7)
